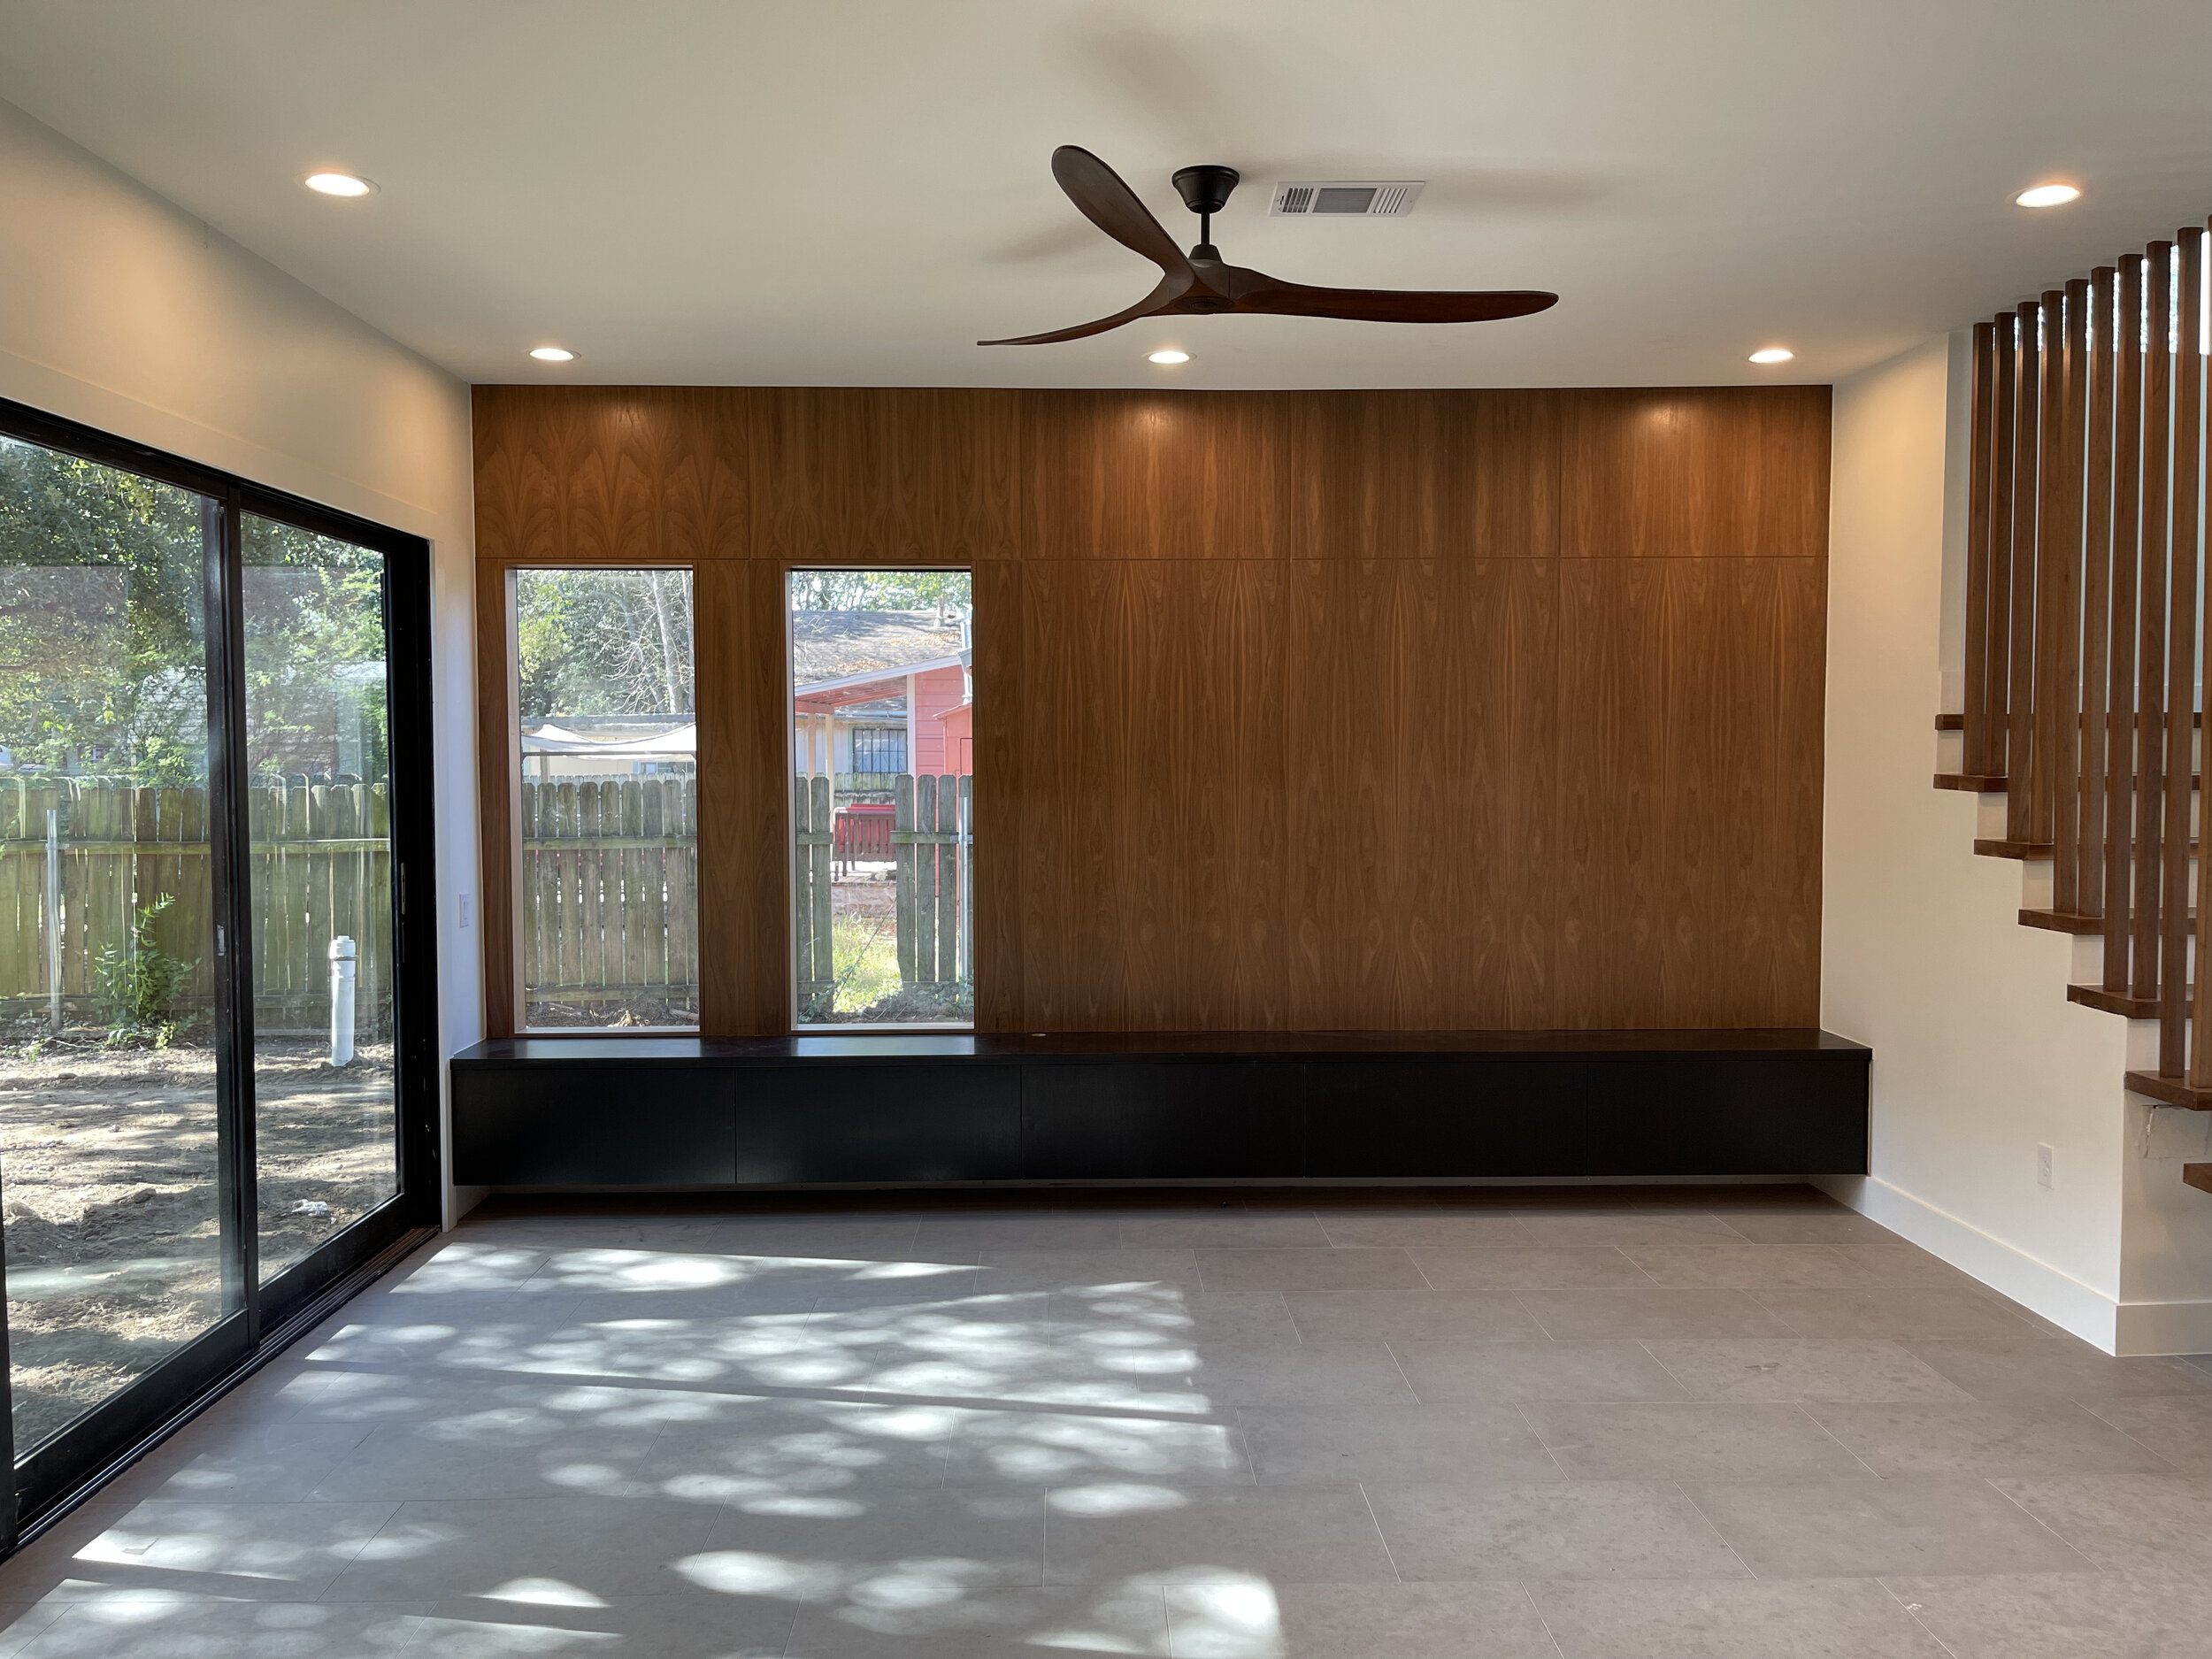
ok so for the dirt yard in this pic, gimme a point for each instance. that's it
(108, 1178)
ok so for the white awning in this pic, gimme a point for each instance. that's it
(553, 740)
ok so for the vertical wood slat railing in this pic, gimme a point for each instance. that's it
(2087, 616)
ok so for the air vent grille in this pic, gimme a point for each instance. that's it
(1346, 198)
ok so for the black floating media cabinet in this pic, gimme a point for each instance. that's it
(661, 1111)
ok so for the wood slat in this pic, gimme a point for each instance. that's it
(2188, 475)
(2023, 823)
(2133, 509)
(1980, 632)
(2110, 527)
(2162, 381)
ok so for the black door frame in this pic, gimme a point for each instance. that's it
(52, 1474)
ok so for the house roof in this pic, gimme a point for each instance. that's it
(828, 645)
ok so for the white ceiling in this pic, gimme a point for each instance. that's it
(851, 192)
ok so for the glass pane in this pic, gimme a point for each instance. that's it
(607, 910)
(883, 746)
(108, 1141)
(318, 885)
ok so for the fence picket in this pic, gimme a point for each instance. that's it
(925, 880)
(903, 846)
(947, 853)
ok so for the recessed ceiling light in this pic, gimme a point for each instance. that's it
(553, 354)
(1772, 354)
(2048, 195)
(340, 184)
(1170, 354)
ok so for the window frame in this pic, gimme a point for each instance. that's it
(788, 677)
(267, 1315)
(510, 572)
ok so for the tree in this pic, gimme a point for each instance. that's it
(103, 646)
(604, 642)
(880, 590)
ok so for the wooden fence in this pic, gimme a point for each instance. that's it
(320, 862)
(609, 891)
(932, 841)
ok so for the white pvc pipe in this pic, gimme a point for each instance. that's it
(341, 965)
(53, 918)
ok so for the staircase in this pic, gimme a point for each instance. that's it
(2087, 610)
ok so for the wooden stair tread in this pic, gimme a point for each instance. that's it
(1996, 782)
(2198, 1176)
(2074, 922)
(2173, 1091)
(2001, 848)
(2063, 922)
(2118, 1002)
(1957, 722)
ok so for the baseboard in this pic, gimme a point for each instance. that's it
(2036, 1285)
(2165, 1327)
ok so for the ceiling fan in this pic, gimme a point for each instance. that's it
(1198, 282)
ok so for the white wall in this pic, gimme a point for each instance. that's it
(120, 311)
(1978, 1057)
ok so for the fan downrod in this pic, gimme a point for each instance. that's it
(1205, 191)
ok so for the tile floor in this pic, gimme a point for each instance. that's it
(1706, 1425)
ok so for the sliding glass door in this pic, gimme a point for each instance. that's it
(110, 1133)
(214, 1038)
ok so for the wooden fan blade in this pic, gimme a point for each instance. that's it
(1101, 197)
(1171, 287)
(1388, 305)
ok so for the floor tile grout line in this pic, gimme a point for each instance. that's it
(1727, 1543)
(1912, 1614)
(1645, 1342)
(1375, 1520)
(1550, 1635)
(2138, 1439)
(1991, 1482)
(1520, 1409)
(1833, 1435)
(1391, 1348)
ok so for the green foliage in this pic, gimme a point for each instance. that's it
(140, 982)
(604, 642)
(880, 590)
(314, 663)
(103, 665)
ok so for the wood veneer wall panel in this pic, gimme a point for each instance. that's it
(495, 800)
(1152, 795)
(1426, 475)
(743, 894)
(1421, 721)
(1690, 718)
(1745, 682)
(1301, 719)
(611, 475)
(1704, 472)
(1001, 798)
(884, 475)
(1169, 475)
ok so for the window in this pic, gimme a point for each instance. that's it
(882, 899)
(110, 1144)
(878, 749)
(212, 798)
(606, 888)
(319, 876)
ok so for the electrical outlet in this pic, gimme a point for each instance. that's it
(2043, 1167)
